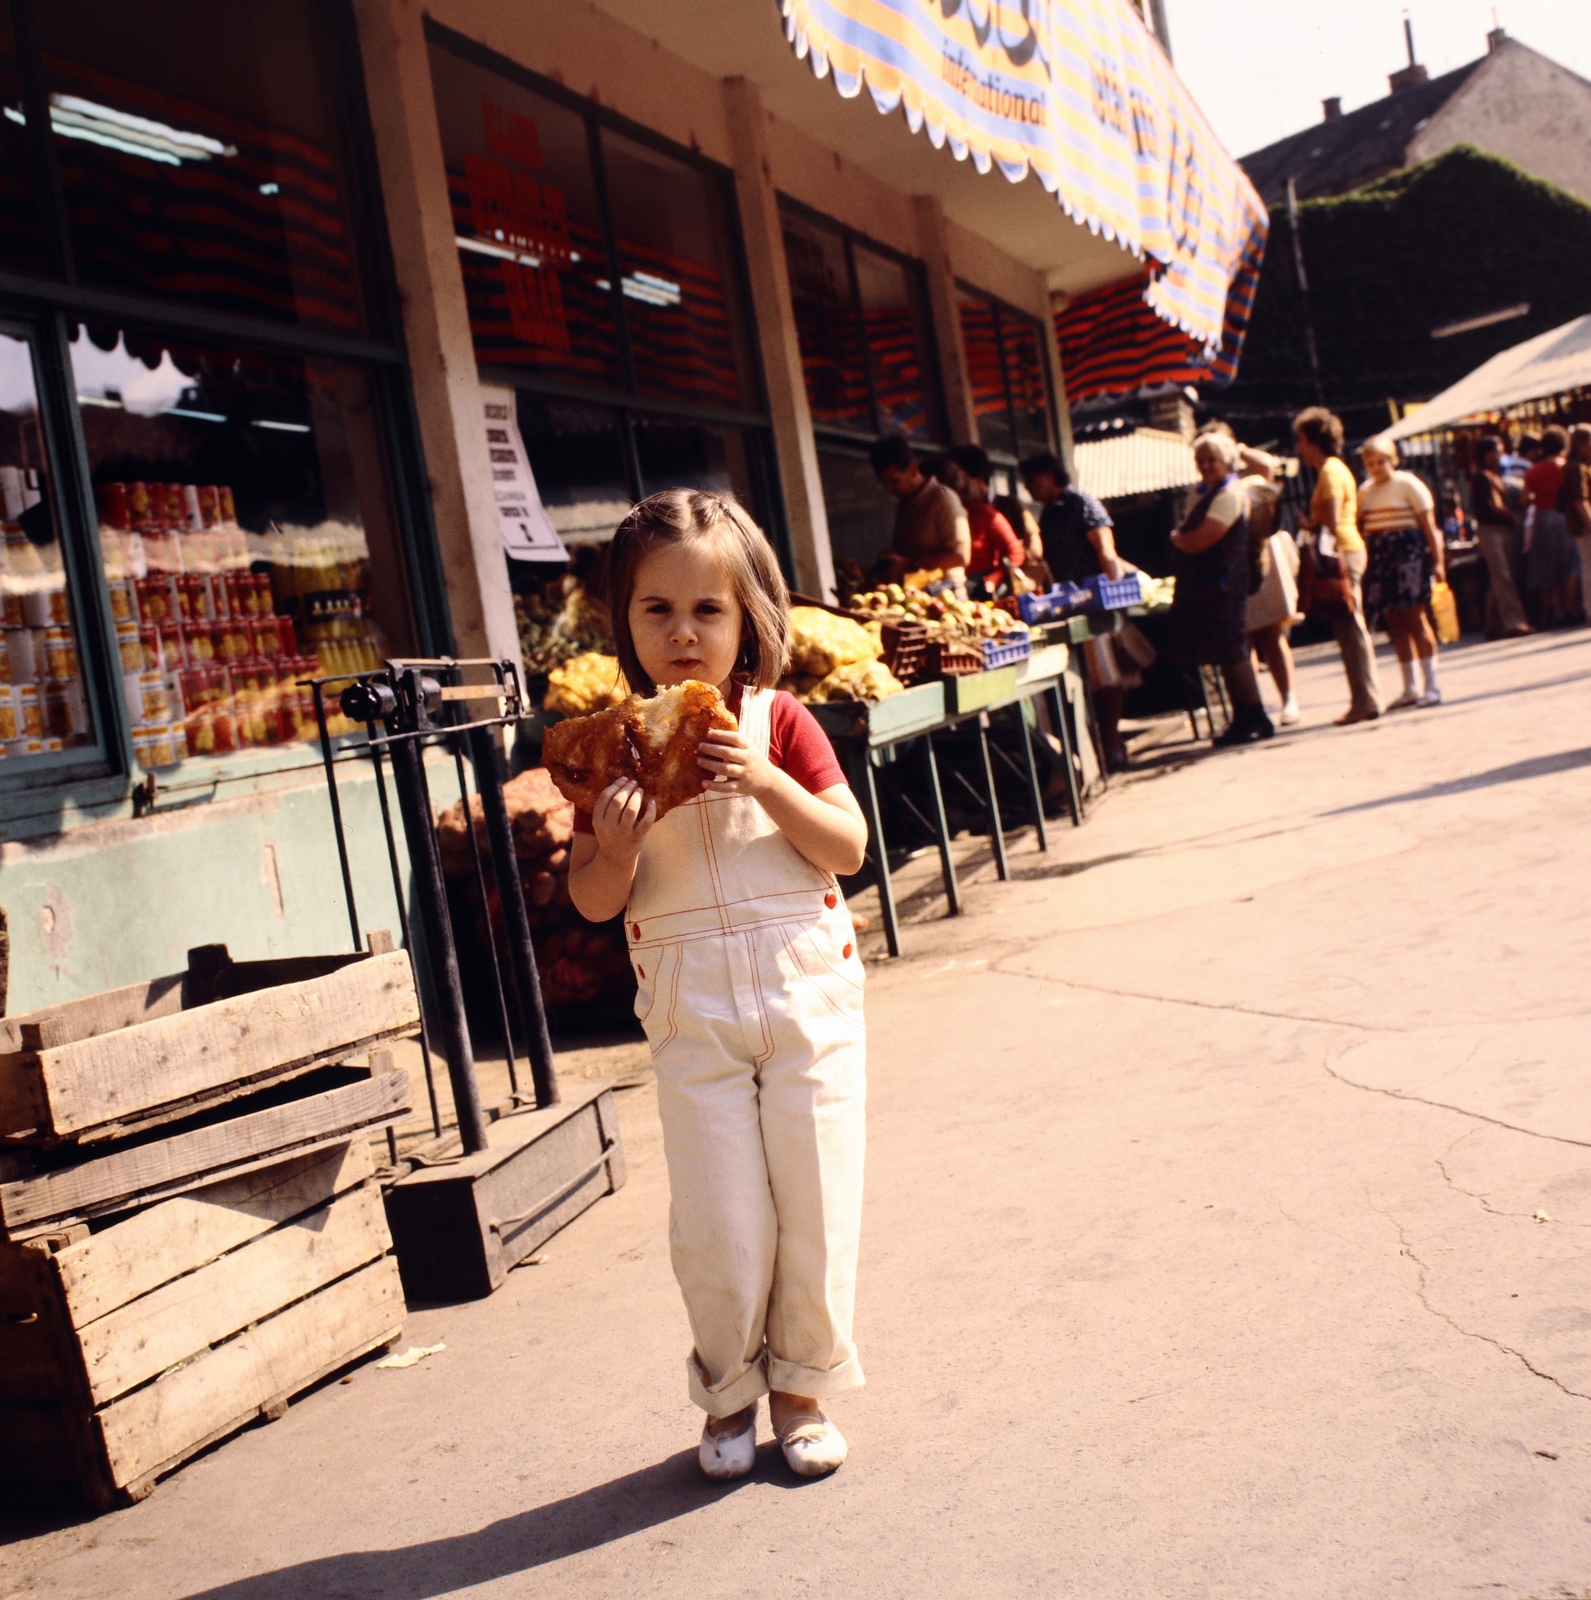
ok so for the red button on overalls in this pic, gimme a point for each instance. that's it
(831, 899)
(846, 952)
(635, 930)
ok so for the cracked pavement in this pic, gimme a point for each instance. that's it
(1226, 1236)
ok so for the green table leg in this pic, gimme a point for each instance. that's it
(936, 795)
(1063, 724)
(996, 827)
(1034, 790)
(875, 833)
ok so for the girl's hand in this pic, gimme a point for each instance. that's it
(621, 821)
(735, 767)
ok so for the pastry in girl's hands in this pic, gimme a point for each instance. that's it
(654, 742)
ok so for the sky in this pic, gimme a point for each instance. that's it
(1260, 68)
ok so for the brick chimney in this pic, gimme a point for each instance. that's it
(1407, 77)
(1496, 39)
(1332, 107)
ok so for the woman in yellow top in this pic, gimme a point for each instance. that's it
(1398, 519)
(1333, 513)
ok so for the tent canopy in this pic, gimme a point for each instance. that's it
(1553, 363)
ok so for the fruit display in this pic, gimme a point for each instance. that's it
(861, 680)
(564, 620)
(585, 683)
(946, 616)
(821, 641)
(578, 962)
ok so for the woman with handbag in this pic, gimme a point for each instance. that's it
(1397, 516)
(1209, 609)
(1339, 558)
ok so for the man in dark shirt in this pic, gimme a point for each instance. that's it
(1079, 543)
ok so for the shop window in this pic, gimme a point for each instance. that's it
(862, 324)
(246, 532)
(22, 234)
(528, 224)
(200, 153)
(678, 454)
(676, 260)
(861, 513)
(1005, 365)
(44, 706)
(577, 454)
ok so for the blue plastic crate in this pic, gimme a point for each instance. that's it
(1063, 600)
(1002, 652)
(1116, 594)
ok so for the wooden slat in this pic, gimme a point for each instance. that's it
(100, 1013)
(203, 1308)
(160, 1424)
(99, 1086)
(163, 1167)
(183, 1234)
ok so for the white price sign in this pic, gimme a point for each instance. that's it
(528, 533)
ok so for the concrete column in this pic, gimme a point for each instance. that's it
(436, 326)
(1052, 352)
(774, 314)
(945, 309)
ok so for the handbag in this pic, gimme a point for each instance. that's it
(1444, 612)
(1323, 580)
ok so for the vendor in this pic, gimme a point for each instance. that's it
(931, 526)
(1080, 543)
(994, 541)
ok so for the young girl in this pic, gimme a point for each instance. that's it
(750, 988)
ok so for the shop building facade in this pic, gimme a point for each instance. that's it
(276, 270)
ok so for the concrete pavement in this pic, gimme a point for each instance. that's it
(1227, 1235)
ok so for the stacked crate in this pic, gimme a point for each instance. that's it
(190, 1226)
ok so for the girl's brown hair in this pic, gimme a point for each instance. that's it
(692, 516)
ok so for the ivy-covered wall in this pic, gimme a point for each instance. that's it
(1455, 237)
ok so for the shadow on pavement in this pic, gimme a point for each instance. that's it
(1514, 772)
(640, 1500)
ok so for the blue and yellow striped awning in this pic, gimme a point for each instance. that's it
(1080, 94)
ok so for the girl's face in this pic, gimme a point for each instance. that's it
(1378, 466)
(684, 617)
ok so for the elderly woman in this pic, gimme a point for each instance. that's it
(1397, 517)
(1209, 612)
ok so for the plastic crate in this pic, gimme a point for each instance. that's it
(1061, 601)
(905, 649)
(1116, 594)
(953, 660)
(1003, 651)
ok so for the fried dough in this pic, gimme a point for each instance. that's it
(654, 742)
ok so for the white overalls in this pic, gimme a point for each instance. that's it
(751, 998)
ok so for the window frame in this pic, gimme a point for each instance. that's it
(938, 410)
(46, 306)
(1002, 309)
(629, 402)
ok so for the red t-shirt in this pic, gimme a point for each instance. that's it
(992, 539)
(796, 744)
(1543, 481)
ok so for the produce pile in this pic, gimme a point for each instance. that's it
(834, 658)
(577, 961)
(947, 618)
(563, 621)
(585, 683)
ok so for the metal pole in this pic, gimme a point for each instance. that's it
(336, 815)
(414, 804)
(516, 921)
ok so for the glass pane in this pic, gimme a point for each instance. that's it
(897, 344)
(676, 258)
(22, 234)
(200, 153)
(577, 455)
(826, 324)
(43, 707)
(861, 513)
(528, 227)
(695, 455)
(1030, 394)
(247, 533)
(980, 334)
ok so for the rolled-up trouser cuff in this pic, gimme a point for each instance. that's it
(733, 1394)
(788, 1378)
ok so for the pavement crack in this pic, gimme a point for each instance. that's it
(1461, 1111)
(1405, 1248)
(1483, 1201)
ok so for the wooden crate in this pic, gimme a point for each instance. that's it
(978, 690)
(118, 1063)
(125, 1350)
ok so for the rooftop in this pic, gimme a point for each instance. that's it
(1145, 461)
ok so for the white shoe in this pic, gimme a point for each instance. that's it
(1288, 715)
(1431, 697)
(812, 1445)
(1409, 697)
(729, 1456)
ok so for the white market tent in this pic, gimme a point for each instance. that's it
(1553, 363)
(1145, 461)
